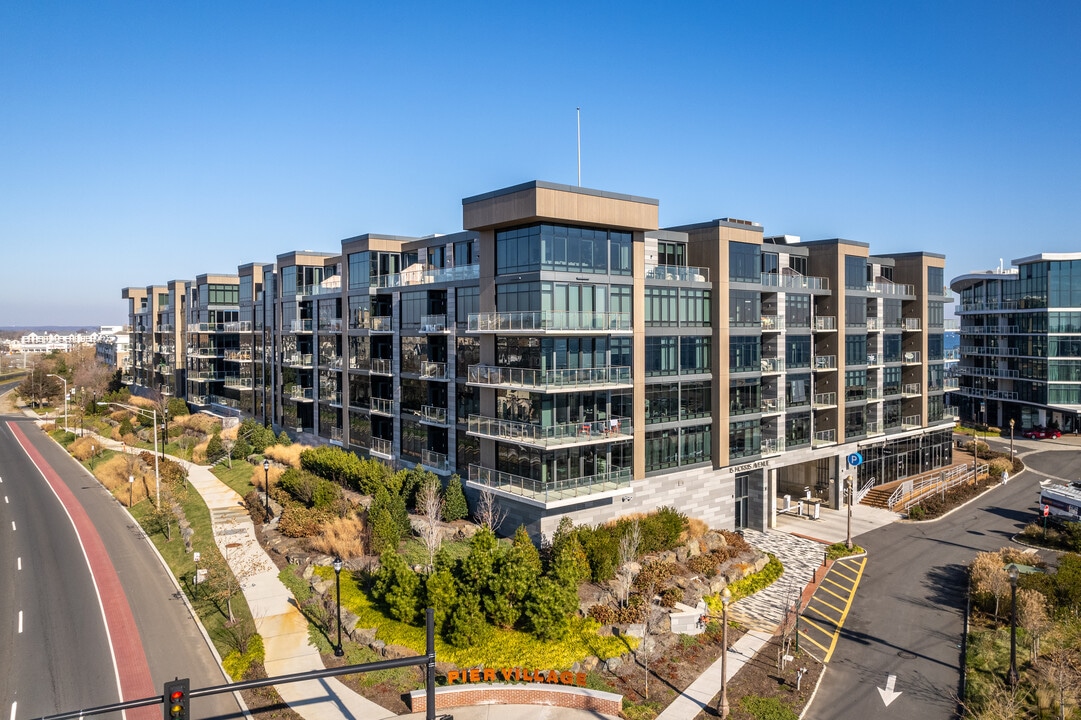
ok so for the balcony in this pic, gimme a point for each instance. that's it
(381, 447)
(224, 401)
(822, 438)
(910, 422)
(992, 350)
(951, 384)
(433, 370)
(427, 277)
(238, 383)
(772, 366)
(874, 360)
(564, 380)
(550, 322)
(547, 436)
(164, 328)
(794, 282)
(199, 399)
(910, 390)
(238, 355)
(334, 362)
(334, 397)
(825, 362)
(204, 376)
(381, 323)
(874, 324)
(911, 358)
(772, 406)
(127, 379)
(297, 360)
(552, 493)
(772, 323)
(301, 394)
(301, 326)
(988, 330)
(891, 390)
(437, 462)
(677, 273)
(333, 325)
(244, 326)
(874, 394)
(433, 415)
(433, 323)
(381, 366)
(951, 411)
(874, 427)
(207, 327)
(382, 406)
(772, 446)
(825, 400)
(825, 323)
(335, 436)
(909, 324)
(206, 352)
(891, 289)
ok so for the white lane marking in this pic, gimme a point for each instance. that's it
(13, 706)
(5, 499)
(20, 622)
(19, 563)
(12, 524)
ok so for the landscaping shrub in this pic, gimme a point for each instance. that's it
(661, 530)
(214, 448)
(759, 580)
(284, 440)
(604, 614)
(298, 521)
(306, 488)
(704, 564)
(397, 586)
(241, 449)
(342, 537)
(333, 463)
(455, 506)
(653, 574)
(670, 596)
(385, 533)
(735, 543)
(285, 455)
(467, 625)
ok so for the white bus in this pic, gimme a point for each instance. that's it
(1062, 501)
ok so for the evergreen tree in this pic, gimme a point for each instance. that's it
(398, 585)
(384, 535)
(214, 448)
(466, 626)
(549, 608)
(455, 506)
(514, 574)
(283, 439)
(441, 593)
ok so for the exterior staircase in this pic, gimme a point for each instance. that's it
(879, 495)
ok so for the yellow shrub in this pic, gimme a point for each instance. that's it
(114, 472)
(230, 433)
(286, 455)
(695, 528)
(81, 448)
(198, 453)
(341, 537)
(199, 423)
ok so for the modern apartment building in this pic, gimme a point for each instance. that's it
(1021, 343)
(570, 356)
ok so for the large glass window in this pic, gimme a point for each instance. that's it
(856, 349)
(797, 351)
(855, 385)
(855, 312)
(413, 305)
(855, 272)
(694, 308)
(695, 400)
(745, 308)
(935, 315)
(695, 444)
(466, 303)
(855, 421)
(359, 270)
(661, 356)
(662, 403)
(671, 253)
(562, 248)
(744, 262)
(745, 354)
(744, 397)
(797, 430)
(935, 284)
(935, 346)
(662, 449)
(797, 309)
(798, 391)
(661, 307)
(744, 439)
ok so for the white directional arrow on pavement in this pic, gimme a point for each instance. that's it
(889, 694)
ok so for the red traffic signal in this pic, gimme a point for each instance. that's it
(1046, 510)
(175, 699)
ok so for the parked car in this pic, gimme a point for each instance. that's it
(1041, 433)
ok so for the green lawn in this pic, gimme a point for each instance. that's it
(238, 477)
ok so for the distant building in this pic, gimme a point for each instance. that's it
(1021, 343)
(48, 342)
(568, 355)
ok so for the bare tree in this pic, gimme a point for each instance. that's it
(648, 646)
(1060, 671)
(999, 702)
(1032, 616)
(989, 577)
(430, 506)
(628, 553)
(489, 512)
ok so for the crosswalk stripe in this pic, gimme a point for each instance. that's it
(816, 626)
(831, 607)
(811, 640)
(811, 607)
(839, 597)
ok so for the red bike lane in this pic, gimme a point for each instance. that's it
(128, 655)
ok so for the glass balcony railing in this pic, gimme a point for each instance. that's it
(546, 380)
(617, 480)
(874, 427)
(243, 326)
(951, 411)
(588, 432)
(795, 282)
(433, 370)
(910, 389)
(304, 325)
(433, 414)
(330, 325)
(824, 437)
(678, 273)
(300, 393)
(382, 447)
(772, 365)
(426, 277)
(825, 362)
(874, 393)
(550, 321)
(824, 400)
(381, 366)
(333, 397)
(238, 355)
(874, 323)
(433, 323)
(381, 323)
(888, 288)
(910, 422)
(435, 461)
(874, 359)
(298, 359)
(772, 405)
(239, 383)
(772, 446)
(825, 323)
(911, 358)
(336, 435)
(382, 406)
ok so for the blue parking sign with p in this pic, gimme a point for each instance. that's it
(855, 459)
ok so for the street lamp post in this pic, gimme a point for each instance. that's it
(154, 432)
(1011, 441)
(266, 487)
(93, 452)
(164, 429)
(1011, 677)
(851, 488)
(131, 489)
(338, 652)
(63, 380)
(726, 597)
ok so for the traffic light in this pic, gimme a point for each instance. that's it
(175, 699)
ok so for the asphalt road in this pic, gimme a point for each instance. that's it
(71, 636)
(907, 618)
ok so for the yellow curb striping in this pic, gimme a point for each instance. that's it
(846, 577)
(811, 607)
(839, 597)
(848, 606)
(831, 607)
(817, 627)
(810, 640)
(831, 581)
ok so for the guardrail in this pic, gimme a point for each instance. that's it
(910, 492)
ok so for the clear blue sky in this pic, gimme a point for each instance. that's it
(144, 142)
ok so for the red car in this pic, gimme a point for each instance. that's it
(1041, 433)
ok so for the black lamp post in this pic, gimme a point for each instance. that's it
(338, 652)
(1011, 677)
(851, 485)
(164, 429)
(726, 597)
(266, 487)
(1011, 441)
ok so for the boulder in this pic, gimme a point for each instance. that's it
(717, 586)
(377, 646)
(713, 541)
(361, 636)
(309, 571)
(666, 557)
(681, 555)
(760, 562)
(694, 549)
(588, 664)
(393, 652)
(321, 585)
(613, 664)
(637, 630)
